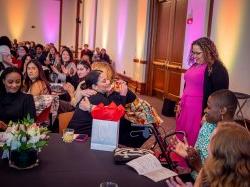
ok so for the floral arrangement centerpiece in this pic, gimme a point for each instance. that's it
(22, 142)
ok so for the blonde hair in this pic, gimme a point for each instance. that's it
(104, 67)
(229, 162)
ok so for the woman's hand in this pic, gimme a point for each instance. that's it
(180, 147)
(64, 70)
(194, 159)
(123, 88)
(54, 69)
(87, 92)
(3, 125)
(177, 182)
(203, 120)
(178, 109)
(69, 88)
(85, 105)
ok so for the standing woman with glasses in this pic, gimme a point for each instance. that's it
(206, 75)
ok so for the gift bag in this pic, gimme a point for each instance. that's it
(105, 126)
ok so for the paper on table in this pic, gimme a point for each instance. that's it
(149, 166)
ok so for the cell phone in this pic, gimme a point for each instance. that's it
(81, 138)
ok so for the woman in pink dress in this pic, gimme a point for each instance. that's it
(206, 75)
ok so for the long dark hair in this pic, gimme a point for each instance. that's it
(4, 75)
(41, 76)
(70, 55)
(91, 79)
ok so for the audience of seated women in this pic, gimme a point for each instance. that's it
(14, 104)
(35, 82)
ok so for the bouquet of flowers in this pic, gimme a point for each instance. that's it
(24, 137)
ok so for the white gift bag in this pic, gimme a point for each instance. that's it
(105, 135)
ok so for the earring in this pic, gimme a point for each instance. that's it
(222, 118)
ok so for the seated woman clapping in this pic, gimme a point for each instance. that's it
(35, 82)
(221, 107)
(68, 66)
(14, 104)
(81, 121)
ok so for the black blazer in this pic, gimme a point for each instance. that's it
(218, 79)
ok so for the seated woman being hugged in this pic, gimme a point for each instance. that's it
(97, 80)
(35, 82)
(14, 104)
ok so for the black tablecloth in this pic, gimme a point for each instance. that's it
(72, 165)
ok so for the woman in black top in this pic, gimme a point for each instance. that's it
(14, 104)
(81, 121)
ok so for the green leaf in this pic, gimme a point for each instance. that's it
(5, 147)
(41, 144)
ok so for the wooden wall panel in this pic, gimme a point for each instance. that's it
(179, 30)
(162, 31)
(158, 80)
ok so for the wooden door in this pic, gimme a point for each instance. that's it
(168, 31)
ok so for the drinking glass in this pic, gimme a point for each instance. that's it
(68, 135)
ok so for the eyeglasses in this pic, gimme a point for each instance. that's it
(196, 53)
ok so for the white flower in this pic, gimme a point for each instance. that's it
(24, 139)
(15, 145)
(34, 139)
(33, 130)
(6, 154)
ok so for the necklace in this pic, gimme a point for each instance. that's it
(210, 69)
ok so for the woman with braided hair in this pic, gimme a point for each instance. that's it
(206, 75)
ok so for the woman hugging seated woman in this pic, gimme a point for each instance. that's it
(14, 104)
(96, 80)
(135, 109)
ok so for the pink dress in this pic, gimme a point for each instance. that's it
(190, 117)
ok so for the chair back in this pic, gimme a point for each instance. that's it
(64, 119)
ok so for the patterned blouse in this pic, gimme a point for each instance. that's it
(204, 139)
